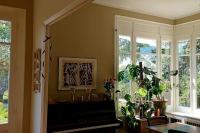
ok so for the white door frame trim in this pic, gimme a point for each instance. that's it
(69, 9)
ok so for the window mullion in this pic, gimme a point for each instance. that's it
(192, 74)
(158, 62)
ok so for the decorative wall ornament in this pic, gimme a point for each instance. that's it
(37, 70)
(77, 73)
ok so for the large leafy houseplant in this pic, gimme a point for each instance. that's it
(143, 76)
(145, 79)
(164, 85)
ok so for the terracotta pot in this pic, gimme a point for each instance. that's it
(160, 107)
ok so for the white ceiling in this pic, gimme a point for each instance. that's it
(172, 9)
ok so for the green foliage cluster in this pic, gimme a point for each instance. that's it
(5, 39)
(4, 69)
(129, 111)
(5, 31)
(3, 114)
(150, 81)
(124, 49)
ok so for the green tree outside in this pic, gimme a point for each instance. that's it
(5, 40)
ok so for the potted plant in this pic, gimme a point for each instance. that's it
(142, 76)
(160, 87)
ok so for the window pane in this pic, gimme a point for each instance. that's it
(124, 88)
(198, 81)
(198, 46)
(184, 81)
(124, 51)
(148, 60)
(183, 47)
(145, 45)
(165, 47)
(165, 66)
(5, 36)
(5, 31)
(168, 96)
(166, 62)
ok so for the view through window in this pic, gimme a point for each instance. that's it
(184, 72)
(146, 52)
(165, 49)
(124, 58)
(198, 71)
(5, 40)
(166, 60)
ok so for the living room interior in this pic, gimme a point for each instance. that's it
(79, 56)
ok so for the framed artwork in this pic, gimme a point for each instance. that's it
(77, 73)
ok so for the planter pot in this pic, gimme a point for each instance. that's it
(130, 130)
(160, 107)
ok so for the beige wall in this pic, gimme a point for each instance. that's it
(28, 5)
(88, 33)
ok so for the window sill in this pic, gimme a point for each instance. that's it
(184, 115)
(3, 128)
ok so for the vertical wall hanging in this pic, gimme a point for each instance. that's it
(37, 70)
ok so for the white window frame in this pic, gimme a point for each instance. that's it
(172, 67)
(153, 31)
(17, 68)
(177, 106)
(194, 79)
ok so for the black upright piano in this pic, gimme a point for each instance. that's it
(88, 117)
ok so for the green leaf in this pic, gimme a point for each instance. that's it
(127, 97)
(121, 75)
(123, 110)
(142, 92)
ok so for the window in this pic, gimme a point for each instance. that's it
(184, 73)
(166, 61)
(5, 40)
(124, 58)
(146, 52)
(198, 72)
(152, 44)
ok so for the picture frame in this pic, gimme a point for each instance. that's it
(77, 73)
